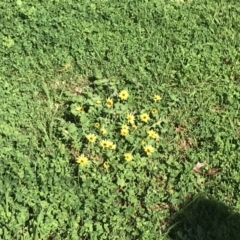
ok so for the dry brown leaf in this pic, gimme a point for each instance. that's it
(212, 171)
(216, 108)
(198, 166)
(183, 145)
(180, 128)
(77, 90)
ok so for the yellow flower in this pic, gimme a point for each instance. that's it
(134, 127)
(150, 133)
(108, 144)
(124, 132)
(82, 160)
(128, 157)
(109, 102)
(104, 143)
(156, 98)
(130, 118)
(91, 138)
(153, 134)
(111, 145)
(154, 110)
(106, 165)
(97, 125)
(156, 136)
(123, 94)
(144, 117)
(148, 149)
(79, 108)
(125, 127)
(103, 131)
(97, 101)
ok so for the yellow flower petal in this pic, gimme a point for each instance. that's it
(103, 131)
(128, 157)
(156, 98)
(144, 117)
(109, 102)
(148, 149)
(82, 160)
(123, 95)
(91, 138)
(106, 165)
(97, 125)
(130, 118)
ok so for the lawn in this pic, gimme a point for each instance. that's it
(119, 120)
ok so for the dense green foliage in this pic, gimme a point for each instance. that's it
(60, 56)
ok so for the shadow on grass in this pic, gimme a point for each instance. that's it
(205, 219)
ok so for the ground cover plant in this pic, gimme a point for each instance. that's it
(114, 115)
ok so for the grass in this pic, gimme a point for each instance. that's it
(80, 159)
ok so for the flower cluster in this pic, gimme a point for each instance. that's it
(108, 144)
(152, 134)
(124, 130)
(101, 120)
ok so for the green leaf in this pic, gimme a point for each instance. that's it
(72, 128)
(121, 182)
